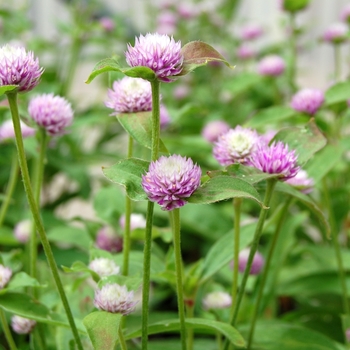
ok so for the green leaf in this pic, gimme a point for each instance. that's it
(79, 266)
(7, 237)
(197, 54)
(128, 173)
(112, 65)
(306, 141)
(102, 328)
(6, 88)
(109, 202)
(139, 127)
(212, 327)
(74, 236)
(285, 188)
(271, 115)
(337, 93)
(224, 187)
(242, 82)
(20, 280)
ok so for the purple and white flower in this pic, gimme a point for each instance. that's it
(5, 276)
(257, 263)
(104, 267)
(217, 300)
(136, 221)
(336, 33)
(22, 230)
(107, 239)
(271, 65)
(22, 325)
(308, 101)
(302, 182)
(213, 129)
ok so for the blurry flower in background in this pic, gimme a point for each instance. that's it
(130, 95)
(345, 14)
(166, 23)
(7, 130)
(271, 65)
(275, 159)
(170, 180)
(187, 10)
(107, 24)
(136, 221)
(22, 325)
(158, 52)
(213, 129)
(104, 267)
(257, 263)
(302, 182)
(235, 146)
(245, 52)
(53, 113)
(251, 32)
(22, 230)
(308, 101)
(268, 136)
(5, 276)
(164, 117)
(17, 67)
(107, 239)
(217, 300)
(336, 33)
(115, 298)
(181, 91)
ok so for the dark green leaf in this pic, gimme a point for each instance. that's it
(242, 82)
(271, 115)
(128, 173)
(20, 280)
(73, 236)
(337, 93)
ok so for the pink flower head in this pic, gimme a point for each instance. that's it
(130, 95)
(5, 276)
(214, 129)
(271, 65)
(22, 325)
(23, 230)
(115, 299)
(257, 264)
(107, 24)
(53, 113)
(167, 18)
(345, 14)
(158, 52)
(107, 239)
(104, 267)
(187, 10)
(217, 300)
(170, 180)
(164, 117)
(235, 146)
(336, 33)
(302, 182)
(7, 130)
(347, 334)
(17, 67)
(245, 52)
(136, 221)
(268, 136)
(307, 101)
(275, 159)
(251, 32)
(181, 91)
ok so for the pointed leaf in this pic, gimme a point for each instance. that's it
(102, 328)
(128, 173)
(112, 65)
(139, 127)
(5, 88)
(306, 141)
(21, 279)
(337, 93)
(224, 187)
(197, 54)
(212, 327)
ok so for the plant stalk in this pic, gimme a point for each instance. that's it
(6, 329)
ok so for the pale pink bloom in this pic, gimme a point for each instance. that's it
(213, 129)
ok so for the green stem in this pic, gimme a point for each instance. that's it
(237, 209)
(10, 188)
(190, 314)
(6, 330)
(266, 269)
(127, 238)
(12, 98)
(337, 62)
(254, 246)
(149, 217)
(121, 339)
(342, 275)
(178, 269)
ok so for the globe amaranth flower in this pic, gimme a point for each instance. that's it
(158, 52)
(213, 129)
(22, 325)
(336, 33)
(275, 159)
(235, 146)
(53, 113)
(107, 24)
(308, 101)
(245, 52)
(217, 300)
(302, 182)
(164, 117)
(107, 239)
(104, 267)
(22, 230)
(18, 67)
(5, 276)
(345, 14)
(115, 298)
(251, 32)
(271, 65)
(7, 130)
(257, 263)
(130, 95)
(136, 221)
(170, 180)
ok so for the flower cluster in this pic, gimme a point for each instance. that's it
(5, 276)
(214, 129)
(257, 263)
(271, 65)
(170, 180)
(217, 300)
(104, 267)
(336, 33)
(302, 182)
(22, 325)
(23, 230)
(136, 221)
(308, 101)
(107, 239)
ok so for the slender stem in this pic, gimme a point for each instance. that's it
(122, 339)
(155, 119)
(337, 62)
(178, 269)
(266, 269)
(6, 330)
(334, 235)
(10, 188)
(190, 314)
(237, 210)
(127, 238)
(254, 246)
(12, 98)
